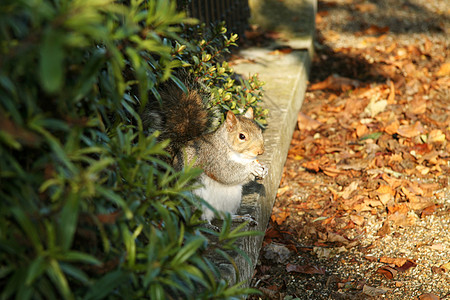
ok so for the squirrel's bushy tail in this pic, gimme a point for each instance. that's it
(181, 117)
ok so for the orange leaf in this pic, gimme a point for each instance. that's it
(280, 217)
(417, 106)
(361, 130)
(307, 123)
(444, 70)
(428, 211)
(385, 189)
(391, 97)
(410, 131)
(398, 262)
(374, 29)
(392, 127)
(387, 272)
(312, 165)
(436, 136)
(428, 296)
(366, 7)
(331, 171)
(336, 83)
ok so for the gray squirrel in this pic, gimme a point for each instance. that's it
(227, 155)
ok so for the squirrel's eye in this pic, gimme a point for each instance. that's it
(241, 136)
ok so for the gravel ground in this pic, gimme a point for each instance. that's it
(351, 272)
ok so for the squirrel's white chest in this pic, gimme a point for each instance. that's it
(222, 197)
(241, 158)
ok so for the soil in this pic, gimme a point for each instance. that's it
(363, 210)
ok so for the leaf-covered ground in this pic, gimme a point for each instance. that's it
(363, 209)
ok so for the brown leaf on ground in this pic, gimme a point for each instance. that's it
(374, 30)
(307, 123)
(305, 269)
(428, 211)
(372, 291)
(407, 265)
(280, 216)
(428, 296)
(410, 131)
(417, 106)
(384, 230)
(444, 70)
(372, 150)
(335, 83)
(436, 136)
(387, 272)
(437, 270)
(391, 97)
(366, 7)
(446, 267)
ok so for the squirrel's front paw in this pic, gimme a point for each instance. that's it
(210, 226)
(259, 169)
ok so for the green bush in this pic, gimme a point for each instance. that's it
(206, 59)
(88, 209)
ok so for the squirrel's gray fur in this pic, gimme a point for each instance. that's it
(227, 154)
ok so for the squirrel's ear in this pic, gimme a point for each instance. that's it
(231, 120)
(249, 113)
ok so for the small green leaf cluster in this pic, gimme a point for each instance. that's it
(89, 209)
(206, 60)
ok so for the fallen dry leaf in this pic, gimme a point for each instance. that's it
(438, 247)
(384, 230)
(387, 272)
(436, 136)
(444, 70)
(374, 29)
(446, 267)
(372, 291)
(417, 106)
(437, 270)
(428, 296)
(307, 123)
(391, 97)
(398, 262)
(279, 216)
(366, 7)
(392, 127)
(427, 211)
(358, 220)
(410, 131)
(335, 83)
(375, 107)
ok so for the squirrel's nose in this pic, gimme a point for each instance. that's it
(261, 150)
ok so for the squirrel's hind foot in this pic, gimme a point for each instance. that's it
(244, 218)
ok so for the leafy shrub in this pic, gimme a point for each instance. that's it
(89, 210)
(206, 58)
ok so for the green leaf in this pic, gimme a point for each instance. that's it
(68, 221)
(105, 285)
(109, 194)
(28, 227)
(373, 136)
(187, 251)
(36, 268)
(51, 61)
(80, 257)
(59, 280)
(74, 272)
